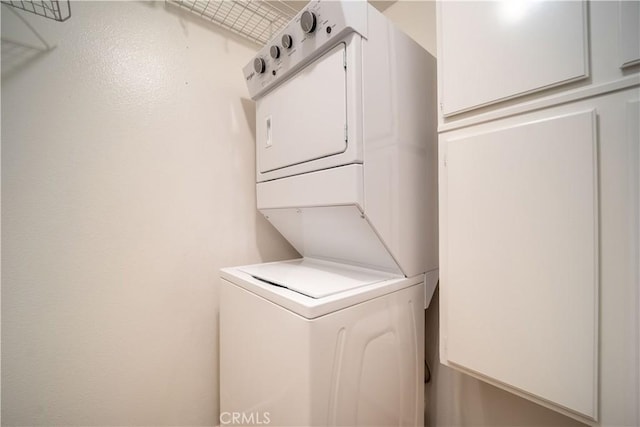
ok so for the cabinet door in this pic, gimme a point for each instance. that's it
(629, 39)
(491, 51)
(520, 257)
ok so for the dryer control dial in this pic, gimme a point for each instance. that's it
(287, 41)
(274, 51)
(259, 66)
(308, 22)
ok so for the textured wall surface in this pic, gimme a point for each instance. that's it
(127, 182)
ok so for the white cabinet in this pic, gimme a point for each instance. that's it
(539, 233)
(522, 240)
(629, 33)
(490, 51)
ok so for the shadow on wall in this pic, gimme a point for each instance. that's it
(249, 108)
(266, 234)
(28, 48)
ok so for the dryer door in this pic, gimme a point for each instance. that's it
(305, 118)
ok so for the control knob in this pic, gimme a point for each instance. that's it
(259, 66)
(308, 22)
(274, 51)
(287, 41)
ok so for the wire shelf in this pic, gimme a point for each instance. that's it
(256, 20)
(53, 9)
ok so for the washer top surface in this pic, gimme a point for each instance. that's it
(312, 288)
(314, 278)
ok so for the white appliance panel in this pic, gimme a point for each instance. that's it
(314, 278)
(334, 233)
(264, 362)
(377, 371)
(331, 187)
(311, 308)
(362, 365)
(400, 150)
(521, 257)
(340, 17)
(305, 118)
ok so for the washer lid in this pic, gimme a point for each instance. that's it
(315, 278)
(380, 284)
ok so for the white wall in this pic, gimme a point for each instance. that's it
(455, 399)
(417, 19)
(127, 182)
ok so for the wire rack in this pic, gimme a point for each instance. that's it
(256, 20)
(52, 9)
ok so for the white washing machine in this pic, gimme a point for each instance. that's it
(346, 170)
(345, 347)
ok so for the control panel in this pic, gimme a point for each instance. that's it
(320, 25)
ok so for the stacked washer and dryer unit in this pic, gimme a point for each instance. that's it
(347, 172)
